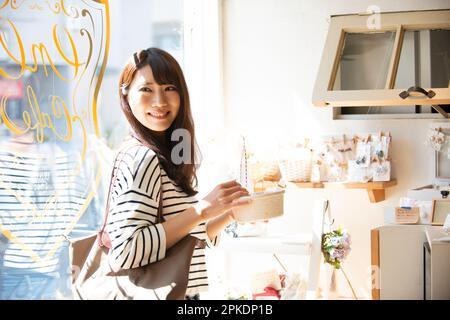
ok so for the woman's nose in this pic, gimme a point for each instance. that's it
(159, 99)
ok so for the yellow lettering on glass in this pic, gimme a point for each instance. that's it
(36, 120)
(44, 54)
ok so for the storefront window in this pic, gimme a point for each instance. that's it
(60, 123)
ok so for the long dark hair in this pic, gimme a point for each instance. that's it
(166, 70)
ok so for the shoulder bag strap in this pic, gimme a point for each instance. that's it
(160, 218)
(103, 238)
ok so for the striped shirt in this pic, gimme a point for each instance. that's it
(136, 238)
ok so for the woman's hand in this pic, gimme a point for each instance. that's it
(214, 209)
(222, 199)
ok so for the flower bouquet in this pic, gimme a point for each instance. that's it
(335, 249)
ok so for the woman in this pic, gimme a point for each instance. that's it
(155, 101)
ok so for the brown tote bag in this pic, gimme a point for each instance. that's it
(93, 277)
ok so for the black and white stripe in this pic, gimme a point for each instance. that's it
(136, 238)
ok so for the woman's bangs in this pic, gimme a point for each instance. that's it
(164, 72)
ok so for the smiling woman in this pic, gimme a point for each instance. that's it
(148, 181)
(155, 101)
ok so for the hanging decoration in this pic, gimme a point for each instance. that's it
(335, 247)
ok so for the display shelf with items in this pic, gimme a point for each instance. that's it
(358, 161)
(361, 161)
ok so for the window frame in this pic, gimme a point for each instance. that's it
(389, 96)
(203, 67)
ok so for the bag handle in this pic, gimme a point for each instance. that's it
(327, 220)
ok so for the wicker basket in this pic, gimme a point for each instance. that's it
(263, 170)
(264, 206)
(296, 170)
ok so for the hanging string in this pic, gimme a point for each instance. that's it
(244, 180)
(349, 283)
(327, 220)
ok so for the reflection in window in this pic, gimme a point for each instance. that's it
(44, 185)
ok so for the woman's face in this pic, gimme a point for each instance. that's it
(154, 106)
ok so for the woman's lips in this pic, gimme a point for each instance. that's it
(160, 115)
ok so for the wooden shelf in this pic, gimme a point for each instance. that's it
(375, 190)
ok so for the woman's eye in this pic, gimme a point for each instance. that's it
(171, 88)
(145, 89)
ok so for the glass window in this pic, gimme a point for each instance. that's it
(54, 168)
(424, 59)
(364, 62)
(364, 70)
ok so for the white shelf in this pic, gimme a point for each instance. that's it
(282, 244)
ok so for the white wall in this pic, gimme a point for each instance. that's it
(272, 51)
